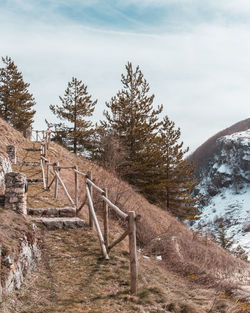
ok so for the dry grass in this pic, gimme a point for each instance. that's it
(160, 233)
(73, 277)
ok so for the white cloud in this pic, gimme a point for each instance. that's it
(201, 75)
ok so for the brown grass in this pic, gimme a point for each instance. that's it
(188, 259)
(73, 277)
(160, 233)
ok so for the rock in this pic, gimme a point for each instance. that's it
(5, 167)
(53, 212)
(27, 259)
(61, 222)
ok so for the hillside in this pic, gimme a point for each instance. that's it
(179, 270)
(225, 182)
(204, 152)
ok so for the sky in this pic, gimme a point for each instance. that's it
(195, 55)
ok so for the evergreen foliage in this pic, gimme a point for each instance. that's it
(132, 119)
(76, 105)
(16, 103)
(222, 239)
(177, 174)
(154, 160)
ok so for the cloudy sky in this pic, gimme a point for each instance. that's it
(195, 54)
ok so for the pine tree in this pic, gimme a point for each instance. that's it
(133, 120)
(176, 175)
(16, 103)
(76, 105)
(155, 159)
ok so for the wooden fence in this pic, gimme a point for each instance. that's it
(51, 177)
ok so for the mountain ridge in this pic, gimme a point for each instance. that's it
(225, 187)
(202, 154)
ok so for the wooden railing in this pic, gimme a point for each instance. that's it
(54, 179)
(40, 135)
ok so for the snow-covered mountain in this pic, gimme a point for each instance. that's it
(225, 191)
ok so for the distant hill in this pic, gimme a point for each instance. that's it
(223, 165)
(204, 152)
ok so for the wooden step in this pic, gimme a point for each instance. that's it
(34, 180)
(32, 149)
(2, 200)
(52, 212)
(29, 163)
(60, 222)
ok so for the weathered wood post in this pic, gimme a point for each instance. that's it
(89, 174)
(76, 187)
(106, 219)
(97, 226)
(27, 133)
(48, 175)
(48, 138)
(44, 148)
(43, 173)
(132, 252)
(56, 179)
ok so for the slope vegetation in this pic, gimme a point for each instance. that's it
(179, 270)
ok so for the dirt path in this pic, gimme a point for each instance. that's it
(73, 277)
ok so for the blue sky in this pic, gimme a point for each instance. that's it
(193, 53)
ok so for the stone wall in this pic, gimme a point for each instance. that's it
(1, 289)
(19, 266)
(5, 167)
(11, 151)
(15, 196)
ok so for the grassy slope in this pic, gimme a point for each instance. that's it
(73, 278)
(158, 232)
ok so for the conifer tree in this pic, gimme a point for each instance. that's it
(133, 120)
(176, 175)
(76, 105)
(16, 103)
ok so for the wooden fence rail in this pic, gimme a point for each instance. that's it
(50, 178)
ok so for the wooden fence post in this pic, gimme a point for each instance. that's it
(48, 174)
(43, 174)
(42, 149)
(36, 135)
(132, 252)
(45, 148)
(106, 219)
(89, 174)
(97, 226)
(76, 188)
(48, 138)
(56, 180)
